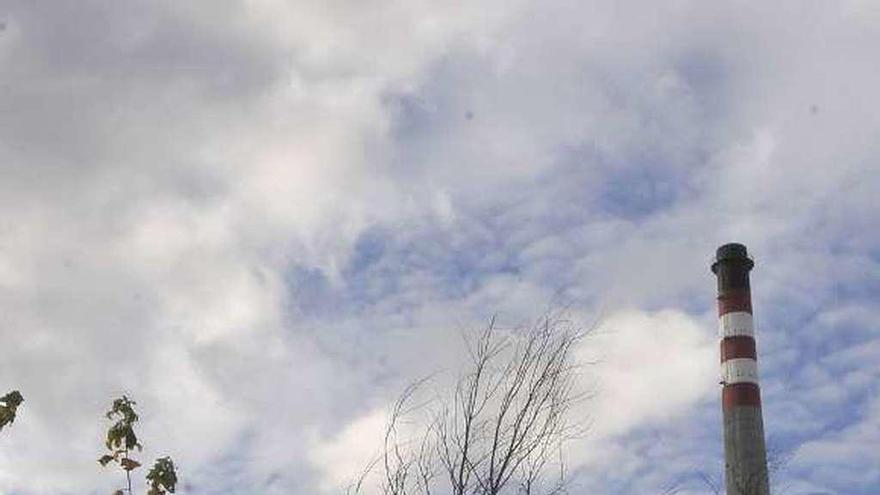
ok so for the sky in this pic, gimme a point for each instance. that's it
(262, 219)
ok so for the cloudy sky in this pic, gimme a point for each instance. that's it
(262, 218)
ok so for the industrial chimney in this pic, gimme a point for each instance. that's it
(745, 456)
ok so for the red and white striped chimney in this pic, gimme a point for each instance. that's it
(744, 450)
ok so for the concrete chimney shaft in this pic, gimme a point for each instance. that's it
(745, 454)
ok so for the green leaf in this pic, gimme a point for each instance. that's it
(10, 403)
(130, 439)
(162, 477)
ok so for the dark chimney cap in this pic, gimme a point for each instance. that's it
(734, 252)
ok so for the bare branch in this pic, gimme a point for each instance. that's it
(504, 424)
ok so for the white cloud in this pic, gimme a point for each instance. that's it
(349, 453)
(852, 449)
(168, 167)
(651, 366)
(650, 370)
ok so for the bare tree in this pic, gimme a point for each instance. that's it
(502, 427)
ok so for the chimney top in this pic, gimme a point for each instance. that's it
(732, 251)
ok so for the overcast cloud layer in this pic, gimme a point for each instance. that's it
(261, 219)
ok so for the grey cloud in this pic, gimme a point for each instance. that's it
(295, 202)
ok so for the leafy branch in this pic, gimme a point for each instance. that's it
(121, 440)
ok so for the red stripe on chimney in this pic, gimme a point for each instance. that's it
(740, 346)
(734, 300)
(740, 394)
